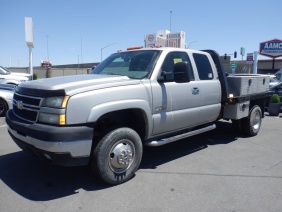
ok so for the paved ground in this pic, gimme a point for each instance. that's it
(216, 171)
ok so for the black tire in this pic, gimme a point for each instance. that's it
(3, 107)
(237, 125)
(117, 156)
(251, 124)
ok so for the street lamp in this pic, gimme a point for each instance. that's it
(104, 48)
(191, 43)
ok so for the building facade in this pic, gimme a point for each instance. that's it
(165, 38)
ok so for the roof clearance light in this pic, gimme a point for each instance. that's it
(134, 47)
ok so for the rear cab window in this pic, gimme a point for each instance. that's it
(203, 66)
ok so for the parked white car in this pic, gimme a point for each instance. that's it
(6, 97)
(278, 75)
(14, 78)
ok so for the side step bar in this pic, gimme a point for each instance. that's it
(178, 137)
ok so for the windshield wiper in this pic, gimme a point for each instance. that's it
(114, 74)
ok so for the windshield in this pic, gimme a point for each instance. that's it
(4, 70)
(134, 64)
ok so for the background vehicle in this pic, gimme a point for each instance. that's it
(277, 88)
(278, 75)
(6, 97)
(273, 80)
(150, 96)
(14, 78)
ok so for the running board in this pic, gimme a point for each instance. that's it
(178, 137)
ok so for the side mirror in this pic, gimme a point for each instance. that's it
(181, 72)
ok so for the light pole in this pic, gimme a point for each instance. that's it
(104, 48)
(191, 43)
(170, 21)
(47, 48)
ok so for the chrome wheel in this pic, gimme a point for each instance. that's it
(121, 156)
(252, 123)
(256, 120)
(117, 156)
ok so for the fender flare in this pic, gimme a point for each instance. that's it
(98, 110)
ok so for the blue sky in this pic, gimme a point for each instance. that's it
(77, 30)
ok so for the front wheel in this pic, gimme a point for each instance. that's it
(117, 156)
(251, 124)
(3, 107)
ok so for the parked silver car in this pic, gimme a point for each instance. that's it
(14, 78)
(6, 97)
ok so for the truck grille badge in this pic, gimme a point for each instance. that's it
(20, 105)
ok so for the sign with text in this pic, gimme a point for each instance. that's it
(233, 65)
(250, 58)
(29, 32)
(45, 63)
(271, 48)
(242, 51)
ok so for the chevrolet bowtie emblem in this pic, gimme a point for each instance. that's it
(20, 105)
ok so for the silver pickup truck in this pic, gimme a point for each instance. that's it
(144, 96)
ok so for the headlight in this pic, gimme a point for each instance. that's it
(52, 118)
(55, 102)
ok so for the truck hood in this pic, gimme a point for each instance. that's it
(78, 83)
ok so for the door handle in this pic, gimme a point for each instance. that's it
(195, 91)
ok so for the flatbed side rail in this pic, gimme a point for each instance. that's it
(239, 99)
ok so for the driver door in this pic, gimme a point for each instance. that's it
(175, 105)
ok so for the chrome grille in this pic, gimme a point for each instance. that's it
(26, 107)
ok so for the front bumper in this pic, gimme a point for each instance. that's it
(67, 145)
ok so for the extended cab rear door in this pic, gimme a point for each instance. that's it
(209, 87)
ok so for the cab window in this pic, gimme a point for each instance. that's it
(203, 66)
(168, 65)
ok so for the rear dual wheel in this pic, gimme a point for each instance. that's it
(251, 124)
(117, 156)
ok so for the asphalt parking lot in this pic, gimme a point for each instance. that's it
(217, 171)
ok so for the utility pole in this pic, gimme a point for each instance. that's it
(48, 48)
(255, 65)
(81, 54)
